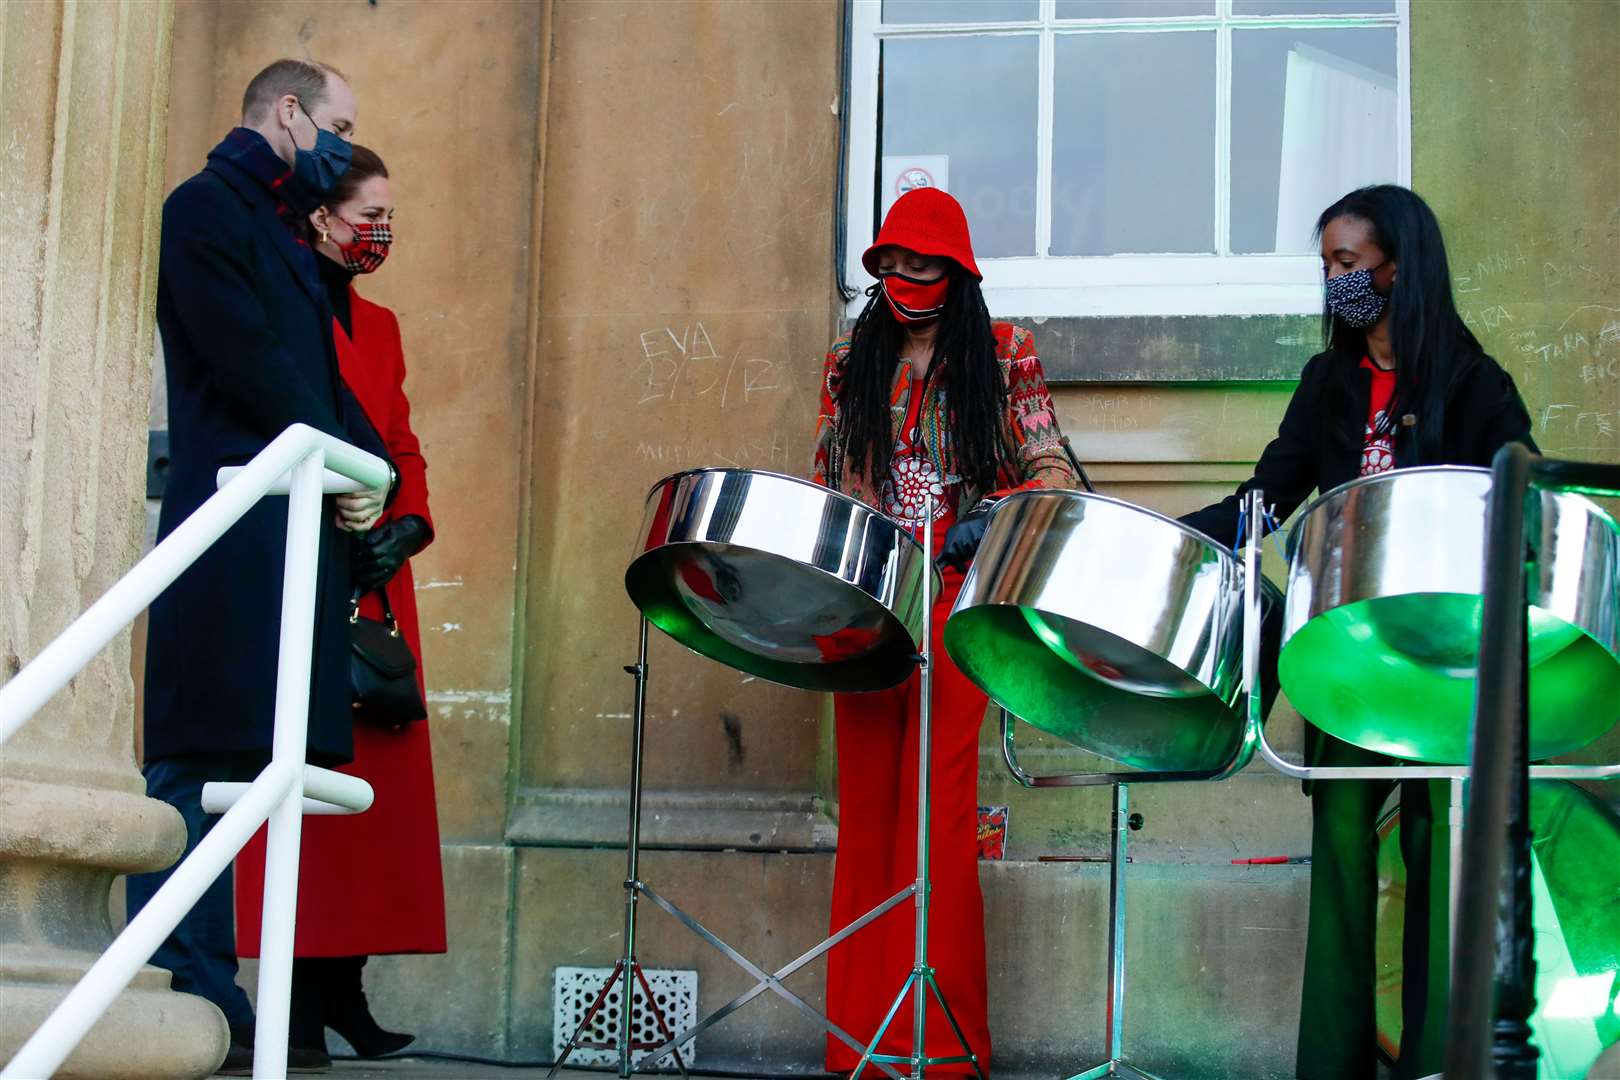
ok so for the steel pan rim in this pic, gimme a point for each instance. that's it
(1070, 493)
(1362, 481)
(820, 489)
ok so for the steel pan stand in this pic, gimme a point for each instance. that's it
(627, 970)
(922, 981)
(1121, 824)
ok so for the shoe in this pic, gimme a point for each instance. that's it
(238, 1061)
(307, 1059)
(300, 1059)
(345, 1010)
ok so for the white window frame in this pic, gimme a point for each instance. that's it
(1119, 285)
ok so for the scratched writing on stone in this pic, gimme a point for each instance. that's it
(686, 366)
(774, 452)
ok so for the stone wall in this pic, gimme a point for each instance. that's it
(83, 88)
(615, 261)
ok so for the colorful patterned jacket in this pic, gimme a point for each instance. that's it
(1031, 425)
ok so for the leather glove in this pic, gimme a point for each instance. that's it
(376, 556)
(962, 539)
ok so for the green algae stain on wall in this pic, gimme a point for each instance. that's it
(1516, 144)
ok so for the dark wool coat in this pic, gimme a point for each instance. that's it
(247, 341)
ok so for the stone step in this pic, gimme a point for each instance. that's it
(1215, 956)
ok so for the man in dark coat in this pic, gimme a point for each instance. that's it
(247, 340)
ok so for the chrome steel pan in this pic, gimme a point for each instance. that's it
(1381, 627)
(780, 578)
(1110, 626)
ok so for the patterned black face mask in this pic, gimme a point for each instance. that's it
(1352, 298)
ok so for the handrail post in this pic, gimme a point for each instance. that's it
(1498, 968)
(289, 748)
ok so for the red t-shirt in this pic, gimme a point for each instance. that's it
(1377, 451)
(913, 475)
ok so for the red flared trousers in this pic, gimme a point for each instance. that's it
(877, 856)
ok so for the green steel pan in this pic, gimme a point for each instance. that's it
(1109, 626)
(1380, 640)
(1575, 878)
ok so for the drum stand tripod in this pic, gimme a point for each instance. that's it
(920, 982)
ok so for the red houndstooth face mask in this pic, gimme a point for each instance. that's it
(369, 247)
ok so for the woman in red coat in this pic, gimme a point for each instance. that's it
(927, 396)
(369, 883)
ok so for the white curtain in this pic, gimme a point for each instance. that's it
(1338, 134)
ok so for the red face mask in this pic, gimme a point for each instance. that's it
(914, 301)
(369, 247)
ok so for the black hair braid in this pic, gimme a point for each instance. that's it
(975, 391)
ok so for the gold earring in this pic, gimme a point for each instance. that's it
(324, 234)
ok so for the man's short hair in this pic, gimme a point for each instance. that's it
(304, 79)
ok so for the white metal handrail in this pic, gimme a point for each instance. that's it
(295, 463)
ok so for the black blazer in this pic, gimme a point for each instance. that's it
(1310, 454)
(247, 341)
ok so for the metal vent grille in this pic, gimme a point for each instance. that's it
(574, 990)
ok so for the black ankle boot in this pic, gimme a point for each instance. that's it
(306, 1033)
(347, 1012)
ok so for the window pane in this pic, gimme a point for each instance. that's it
(973, 136)
(1312, 7)
(1132, 9)
(960, 11)
(1313, 116)
(1133, 143)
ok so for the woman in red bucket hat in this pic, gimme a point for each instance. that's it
(927, 395)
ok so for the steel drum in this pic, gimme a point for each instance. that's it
(1109, 626)
(1381, 626)
(780, 578)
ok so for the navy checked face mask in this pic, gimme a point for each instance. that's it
(1352, 298)
(318, 169)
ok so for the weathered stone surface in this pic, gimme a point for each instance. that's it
(149, 1033)
(83, 88)
(596, 817)
(1215, 954)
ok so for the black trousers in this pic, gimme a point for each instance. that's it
(1337, 1027)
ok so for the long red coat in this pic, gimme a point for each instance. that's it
(370, 883)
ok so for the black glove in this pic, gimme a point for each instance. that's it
(963, 539)
(376, 556)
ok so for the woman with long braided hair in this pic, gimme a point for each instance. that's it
(927, 396)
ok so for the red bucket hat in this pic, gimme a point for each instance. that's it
(929, 222)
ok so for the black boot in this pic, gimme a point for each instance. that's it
(300, 1059)
(347, 1012)
(306, 1034)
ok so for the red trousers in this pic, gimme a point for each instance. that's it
(877, 856)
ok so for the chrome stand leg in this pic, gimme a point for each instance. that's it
(921, 980)
(1455, 786)
(628, 969)
(627, 972)
(1119, 856)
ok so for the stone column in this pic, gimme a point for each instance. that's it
(83, 89)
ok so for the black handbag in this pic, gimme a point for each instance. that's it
(382, 671)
